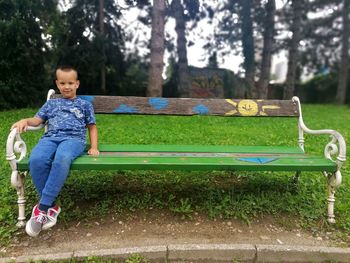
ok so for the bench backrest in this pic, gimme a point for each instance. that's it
(191, 106)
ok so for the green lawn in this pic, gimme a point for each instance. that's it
(231, 195)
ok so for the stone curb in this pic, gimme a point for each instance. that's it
(206, 253)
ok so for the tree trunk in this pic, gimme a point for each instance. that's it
(248, 47)
(183, 83)
(155, 82)
(102, 34)
(344, 64)
(267, 49)
(297, 6)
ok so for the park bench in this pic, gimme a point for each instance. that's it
(196, 157)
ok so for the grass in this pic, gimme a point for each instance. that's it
(218, 194)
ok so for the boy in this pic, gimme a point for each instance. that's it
(65, 139)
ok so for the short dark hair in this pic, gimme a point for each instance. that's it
(67, 68)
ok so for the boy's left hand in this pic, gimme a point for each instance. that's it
(93, 151)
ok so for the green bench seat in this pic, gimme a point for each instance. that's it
(196, 157)
(202, 158)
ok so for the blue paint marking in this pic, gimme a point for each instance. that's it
(158, 103)
(259, 160)
(88, 98)
(123, 108)
(201, 109)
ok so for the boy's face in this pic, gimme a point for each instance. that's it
(67, 83)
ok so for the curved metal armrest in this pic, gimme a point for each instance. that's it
(36, 128)
(15, 144)
(336, 139)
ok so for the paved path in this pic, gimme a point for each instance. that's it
(165, 238)
(205, 253)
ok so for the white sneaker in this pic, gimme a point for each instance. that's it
(52, 215)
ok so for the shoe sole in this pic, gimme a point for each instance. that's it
(51, 223)
(30, 231)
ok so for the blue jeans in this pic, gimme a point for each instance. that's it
(49, 165)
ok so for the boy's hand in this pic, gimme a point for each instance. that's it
(21, 125)
(93, 151)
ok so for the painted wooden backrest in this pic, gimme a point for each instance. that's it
(191, 106)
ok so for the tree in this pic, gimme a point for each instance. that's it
(183, 80)
(23, 51)
(102, 35)
(157, 49)
(248, 46)
(78, 40)
(213, 61)
(344, 60)
(321, 36)
(297, 7)
(269, 32)
(239, 28)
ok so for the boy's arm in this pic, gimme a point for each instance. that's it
(93, 135)
(23, 124)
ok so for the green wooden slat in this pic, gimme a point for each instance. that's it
(193, 163)
(287, 163)
(198, 148)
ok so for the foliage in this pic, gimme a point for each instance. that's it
(321, 89)
(22, 51)
(244, 195)
(35, 36)
(322, 36)
(77, 42)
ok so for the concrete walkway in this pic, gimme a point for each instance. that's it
(206, 253)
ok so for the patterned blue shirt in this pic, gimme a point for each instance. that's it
(67, 118)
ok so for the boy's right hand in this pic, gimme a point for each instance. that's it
(21, 125)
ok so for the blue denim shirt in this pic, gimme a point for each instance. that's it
(67, 117)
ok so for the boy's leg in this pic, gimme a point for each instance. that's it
(40, 166)
(40, 162)
(66, 152)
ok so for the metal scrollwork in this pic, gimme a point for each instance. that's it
(20, 147)
(331, 149)
(334, 179)
(16, 150)
(335, 146)
(14, 145)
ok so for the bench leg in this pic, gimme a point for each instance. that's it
(296, 177)
(17, 181)
(334, 180)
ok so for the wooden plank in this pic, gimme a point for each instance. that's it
(196, 164)
(199, 148)
(249, 162)
(201, 164)
(191, 106)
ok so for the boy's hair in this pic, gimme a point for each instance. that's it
(67, 68)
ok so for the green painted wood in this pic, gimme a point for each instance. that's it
(198, 148)
(203, 163)
(284, 159)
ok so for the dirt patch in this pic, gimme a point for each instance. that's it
(154, 227)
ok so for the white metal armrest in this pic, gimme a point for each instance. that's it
(332, 147)
(15, 144)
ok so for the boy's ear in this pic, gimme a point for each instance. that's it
(78, 83)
